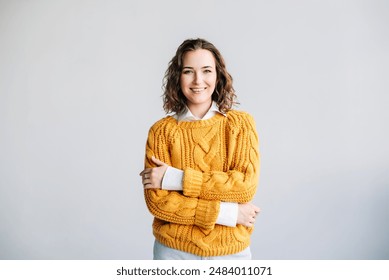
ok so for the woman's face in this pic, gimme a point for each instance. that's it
(198, 78)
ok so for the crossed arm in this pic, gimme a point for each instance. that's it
(152, 179)
(203, 192)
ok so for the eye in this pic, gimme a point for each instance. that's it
(207, 71)
(187, 72)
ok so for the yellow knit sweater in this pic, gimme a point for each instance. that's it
(220, 159)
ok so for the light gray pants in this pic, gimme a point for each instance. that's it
(162, 252)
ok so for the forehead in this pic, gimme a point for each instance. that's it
(198, 58)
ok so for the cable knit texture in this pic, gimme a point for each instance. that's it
(220, 159)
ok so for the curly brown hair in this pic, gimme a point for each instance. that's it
(173, 98)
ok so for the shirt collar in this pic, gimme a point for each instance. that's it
(187, 115)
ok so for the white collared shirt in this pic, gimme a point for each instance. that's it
(172, 180)
(187, 116)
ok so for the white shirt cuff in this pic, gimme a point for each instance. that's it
(172, 180)
(228, 214)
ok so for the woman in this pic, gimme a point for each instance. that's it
(202, 163)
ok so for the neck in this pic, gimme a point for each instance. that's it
(199, 111)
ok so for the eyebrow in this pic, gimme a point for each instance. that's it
(204, 67)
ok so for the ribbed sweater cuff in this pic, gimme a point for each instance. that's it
(207, 213)
(192, 182)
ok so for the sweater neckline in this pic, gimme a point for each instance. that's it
(198, 123)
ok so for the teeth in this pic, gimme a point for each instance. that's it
(198, 89)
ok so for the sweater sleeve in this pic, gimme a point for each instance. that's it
(228, 214)
(173, 206)
(239, 183)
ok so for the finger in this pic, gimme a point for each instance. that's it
(146, 170)
(148, 186)
(146, 181)
(257, 209)
(157, 161)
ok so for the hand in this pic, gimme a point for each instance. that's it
(152, 177)
(247, 213)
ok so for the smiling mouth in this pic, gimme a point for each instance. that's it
(198, 90)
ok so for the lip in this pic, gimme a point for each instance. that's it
(198, 89)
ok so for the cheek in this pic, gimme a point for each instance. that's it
(183, 81)
(212, 81)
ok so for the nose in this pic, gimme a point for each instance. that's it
(197, 78)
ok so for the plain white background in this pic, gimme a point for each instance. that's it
(80, 85)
